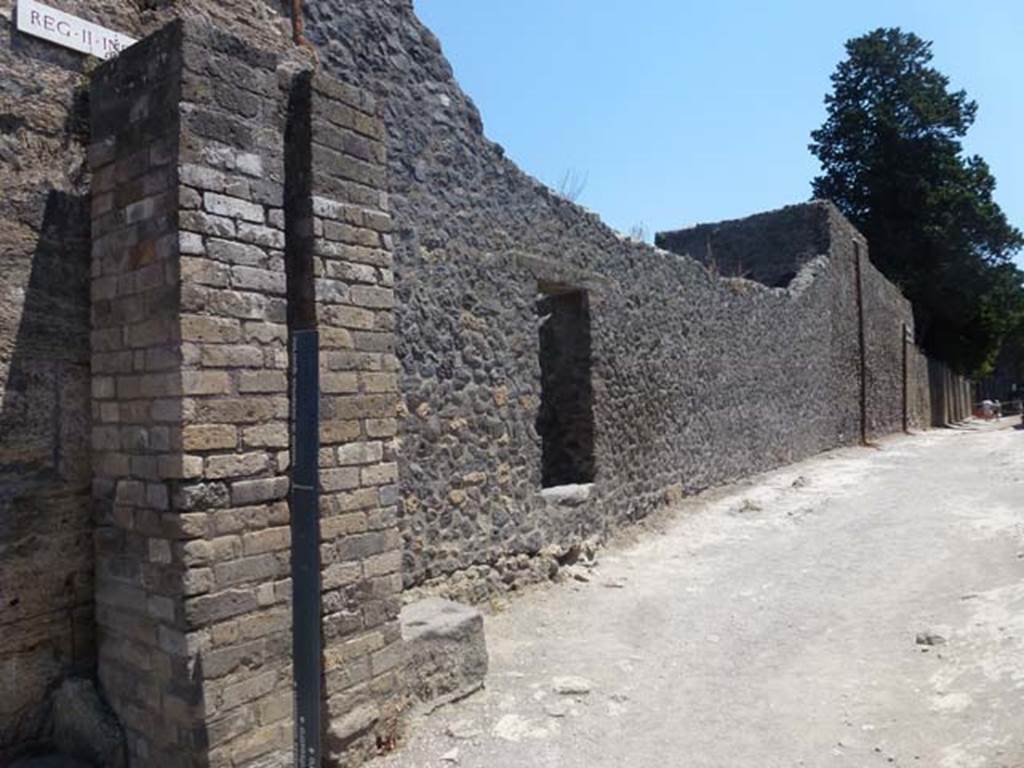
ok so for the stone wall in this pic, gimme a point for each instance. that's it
(201, 273)
(767, 247)
(886, 314)
(695, 379)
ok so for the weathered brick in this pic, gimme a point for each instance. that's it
(205, 272)
(376, 298)
(350, 235)
(241, 410)
(247, 569)
(191, 243)
(232, 207)
(340, 575)
(361, 546)
(261, 742)
(209, 437)
(379, 382)
(339, 383)
(381, 427)
(338, 503)
(253, 491)
(262, 381)
(236, 465)
(360, 453)
(253, 279)
(269, 540)
(343, 525)
(180, 467)
(205, 383)
(380, 565)
(266, 436)
(224, 728)
(268, 237)
(265, 333)
(197, 581)
(379, 474)
(236, 253)
(210, 329)
(339, 479)
(207, 224)
(208, 609)
(252, 687)
(363, 406)
(233, 356)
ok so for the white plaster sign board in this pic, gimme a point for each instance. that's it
(70, 31)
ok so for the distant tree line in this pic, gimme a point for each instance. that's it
(892, 161)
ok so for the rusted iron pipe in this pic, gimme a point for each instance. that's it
(297, 35)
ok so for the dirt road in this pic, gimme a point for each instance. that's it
(863, 608)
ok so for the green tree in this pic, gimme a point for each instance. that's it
(892, 161)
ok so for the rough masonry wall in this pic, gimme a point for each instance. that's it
(696, 380)
(686, 367)
(919, 390)
(886, 314)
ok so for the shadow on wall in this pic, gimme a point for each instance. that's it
(46, 544)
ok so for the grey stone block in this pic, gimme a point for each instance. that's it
(446, 651)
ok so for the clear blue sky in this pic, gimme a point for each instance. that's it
(681, 111)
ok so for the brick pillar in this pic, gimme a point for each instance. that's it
(191, 396)
(234, 337)
(343, 217)
(198, 274)
(137, 396)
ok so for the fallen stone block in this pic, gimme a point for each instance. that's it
(446, 652)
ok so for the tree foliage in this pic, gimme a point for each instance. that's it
(892, 161)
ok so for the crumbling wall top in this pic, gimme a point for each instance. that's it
(768, 247)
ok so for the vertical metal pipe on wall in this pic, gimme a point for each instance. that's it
(297, 36)
(859, 288)
(906, 382)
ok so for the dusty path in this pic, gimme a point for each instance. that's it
(775, 624)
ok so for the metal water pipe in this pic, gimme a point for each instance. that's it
(297, 35)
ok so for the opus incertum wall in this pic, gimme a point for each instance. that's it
(232, 199)
(694, 379)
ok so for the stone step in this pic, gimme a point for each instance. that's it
(446, 651)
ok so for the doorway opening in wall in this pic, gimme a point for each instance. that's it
(565, 421)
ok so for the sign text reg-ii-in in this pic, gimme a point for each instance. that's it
(62, 28)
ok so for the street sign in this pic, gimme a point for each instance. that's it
(70, 31)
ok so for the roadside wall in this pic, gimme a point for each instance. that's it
(175, 405)
(696, 380)
(886, 314)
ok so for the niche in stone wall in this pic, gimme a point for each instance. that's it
(565, 421)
